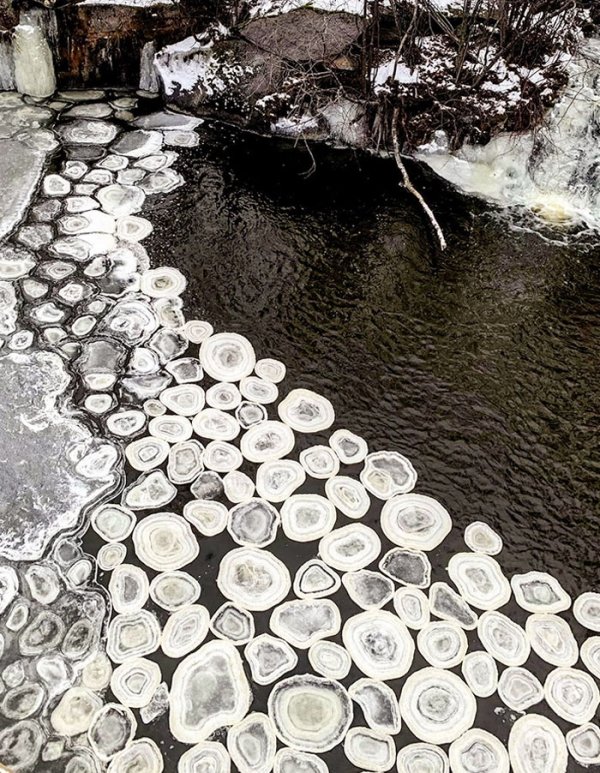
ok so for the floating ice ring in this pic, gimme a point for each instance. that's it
(310, 713)
(165, 542)
(306, 411)
(379, 644)
(572, 695)
(227, 356)
(253, 578)
(437, 705)
(584, 744)
(415, 521)
(480, 580)
(587, 611)
(539, 592)
(387, 473)
(267, 441)
(536, 743)
(417, 757)
(478, 750)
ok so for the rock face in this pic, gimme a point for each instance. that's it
(115, 34)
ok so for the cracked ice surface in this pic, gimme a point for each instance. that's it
(34, 433)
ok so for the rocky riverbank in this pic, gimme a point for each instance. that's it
(330, 70)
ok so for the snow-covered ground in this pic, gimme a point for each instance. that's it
(552, 171)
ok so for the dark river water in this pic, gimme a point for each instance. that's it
(480, 364)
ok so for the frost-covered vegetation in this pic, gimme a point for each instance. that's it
(343, 68)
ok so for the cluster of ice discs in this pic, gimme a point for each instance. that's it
(224, 436)
(336, 639)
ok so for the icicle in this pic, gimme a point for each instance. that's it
(7, 67)
(34, 68)
(148, 74)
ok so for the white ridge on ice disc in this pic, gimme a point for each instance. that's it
(320, 554)
(550, 171)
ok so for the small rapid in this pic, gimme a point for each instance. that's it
(554, 171)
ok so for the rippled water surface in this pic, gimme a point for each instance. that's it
(481, 365)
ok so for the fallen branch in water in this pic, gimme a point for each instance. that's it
(406, 182)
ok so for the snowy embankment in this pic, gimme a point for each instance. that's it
(304, 71)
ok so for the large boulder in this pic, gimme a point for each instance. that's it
(304, 35)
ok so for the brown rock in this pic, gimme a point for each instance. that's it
(304, 35)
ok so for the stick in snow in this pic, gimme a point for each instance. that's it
(406, 182)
